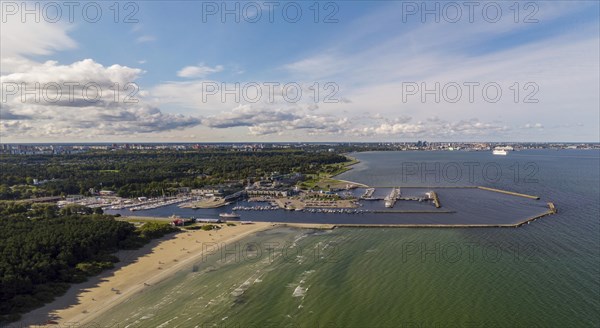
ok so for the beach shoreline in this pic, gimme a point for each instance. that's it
(149, 265)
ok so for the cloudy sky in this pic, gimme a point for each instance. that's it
(294, 71)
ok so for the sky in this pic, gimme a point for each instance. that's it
(266, 71)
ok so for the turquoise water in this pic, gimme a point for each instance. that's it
(545, 274)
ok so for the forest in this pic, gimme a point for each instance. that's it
(147, 173)
(43, 250)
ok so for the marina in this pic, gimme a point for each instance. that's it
(409, 250)
(469, 206)
(159, 203)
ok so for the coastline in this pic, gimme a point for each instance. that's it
(131, 279)
(347, 167)
(362, 185)
(523, 261)
(97, 296)
(149, 265)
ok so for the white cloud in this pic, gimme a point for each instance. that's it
(432, 128)
(263, 120)
(281, 121)
(533, 126)
(83, 72)
(319, 66)
(209, 97)
(199, 71)
(369, 62)
(561, 66)
(145, 39)
(31, 38)
(71, 114)
(20, 40)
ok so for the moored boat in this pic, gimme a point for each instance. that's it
(231, 215)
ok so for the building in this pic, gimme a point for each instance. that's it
(73, 198)
(267, 192)
(206, 192)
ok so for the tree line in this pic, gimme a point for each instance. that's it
(44, 249)
(149, 173)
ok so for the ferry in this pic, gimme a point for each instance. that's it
(231, 215)
(501, 152)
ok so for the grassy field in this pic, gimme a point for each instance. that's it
(324, 180)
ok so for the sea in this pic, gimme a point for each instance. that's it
(542, 274)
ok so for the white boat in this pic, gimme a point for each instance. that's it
(231, 215)
(501, 152)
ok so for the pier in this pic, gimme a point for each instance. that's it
(428, 187)
(368, 195)
(391, 199)
(413, 214)
(139, 205)
(509, 192)
(414, 211)
(436, 199)
(551, 210)
(552, 207)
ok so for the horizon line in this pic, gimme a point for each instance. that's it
(288, 142)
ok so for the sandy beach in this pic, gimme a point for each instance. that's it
(137, 270)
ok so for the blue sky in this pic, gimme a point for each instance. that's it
(369, 55)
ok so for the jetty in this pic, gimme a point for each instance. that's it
(319, 226)
(509, 192)
(436, 199)
(551, 210)
(552, 207)
(391, 199)
(368, 195)
(415, 211)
